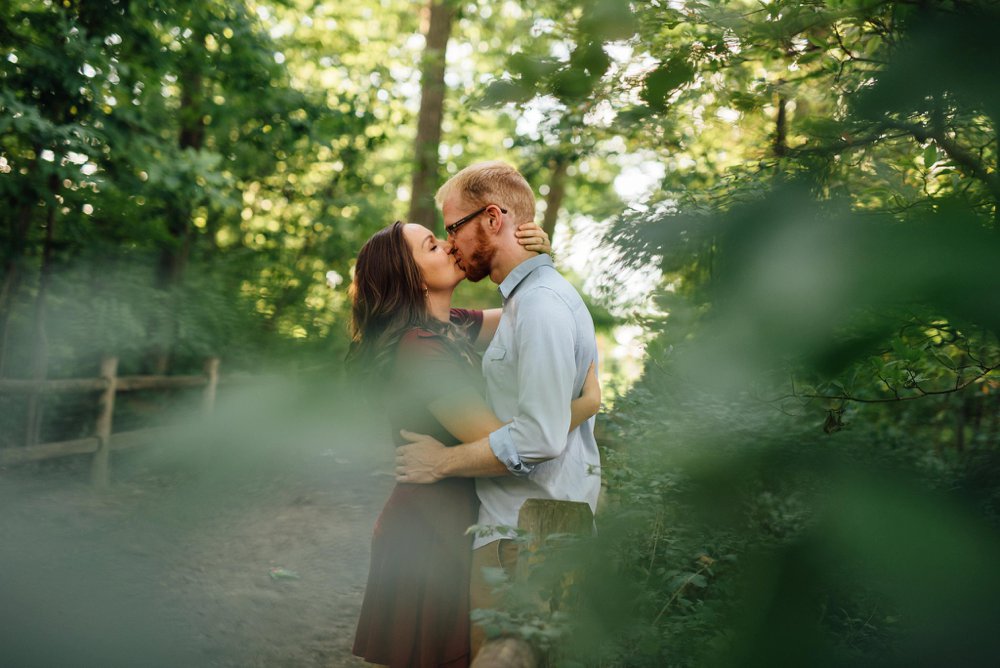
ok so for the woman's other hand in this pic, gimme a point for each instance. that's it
(417, 462)
(533, 238)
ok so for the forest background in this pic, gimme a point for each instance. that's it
(792, 208)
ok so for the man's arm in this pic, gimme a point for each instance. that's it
(545, 336)
(426, 460)
(546, 372)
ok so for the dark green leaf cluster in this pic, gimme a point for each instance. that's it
(156, 190)
(802, 474)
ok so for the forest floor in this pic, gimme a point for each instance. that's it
(170, 568)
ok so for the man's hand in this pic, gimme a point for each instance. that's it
(419, 461)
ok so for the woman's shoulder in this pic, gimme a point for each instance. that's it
(468, 321)
(465, 316)
(423, 336)
(421, 341)
(417, 335)
(423, 353)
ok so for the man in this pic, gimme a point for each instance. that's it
(535, 364)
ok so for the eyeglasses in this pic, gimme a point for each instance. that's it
(451, 229)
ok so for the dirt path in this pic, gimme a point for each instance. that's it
(168, 569)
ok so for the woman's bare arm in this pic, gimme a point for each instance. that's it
(491, 320)
(467, 417)
(588, 403)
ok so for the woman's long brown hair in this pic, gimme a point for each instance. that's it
(387, 298)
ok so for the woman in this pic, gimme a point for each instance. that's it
(420, 355)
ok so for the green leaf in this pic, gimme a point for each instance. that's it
(592, 58)
(609, 20)
(504, 91)
(662, 81)
(930, 155)
(529, 69)
(572, 84)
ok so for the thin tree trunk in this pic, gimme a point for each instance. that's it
(175, 254)
(960, 425)
(978, 408)
(432, 89)
(557, 192)
(40, 338)
(994, 428)
(996, 148)
(781, 128)
(12, 279)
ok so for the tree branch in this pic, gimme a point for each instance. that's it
(921, 392)
(962, 157)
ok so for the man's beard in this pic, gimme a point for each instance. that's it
(478, 265)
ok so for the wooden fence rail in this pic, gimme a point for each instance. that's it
(109, 384)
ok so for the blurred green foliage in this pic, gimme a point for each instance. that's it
(806, 471)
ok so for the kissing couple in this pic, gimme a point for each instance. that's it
(488, 407)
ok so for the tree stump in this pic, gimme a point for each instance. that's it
(506, 653)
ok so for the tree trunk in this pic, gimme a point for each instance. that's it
(960, 416)
(39, 338)
(781, 128)
(432, 89)
(994, 428)
(557, 191)
(175, 253)
(12, 278)
(996, 149)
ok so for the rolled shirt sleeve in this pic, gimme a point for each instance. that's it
(545, 334)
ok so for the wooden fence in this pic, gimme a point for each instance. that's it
(109, 383)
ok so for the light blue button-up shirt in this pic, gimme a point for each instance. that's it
(534, 367)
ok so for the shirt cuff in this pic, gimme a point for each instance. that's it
(503, 448)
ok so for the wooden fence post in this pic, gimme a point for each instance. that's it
(208, 396)
(540, 518)
(33, 421)
(543, 517)
(99, 466)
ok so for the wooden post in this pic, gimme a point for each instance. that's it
(543, 517)
(208, 396)
(33, 422)
(100, 463)
(540, 518)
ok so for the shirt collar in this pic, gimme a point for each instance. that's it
(521, 271)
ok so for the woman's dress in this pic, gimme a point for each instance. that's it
(416, 606)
